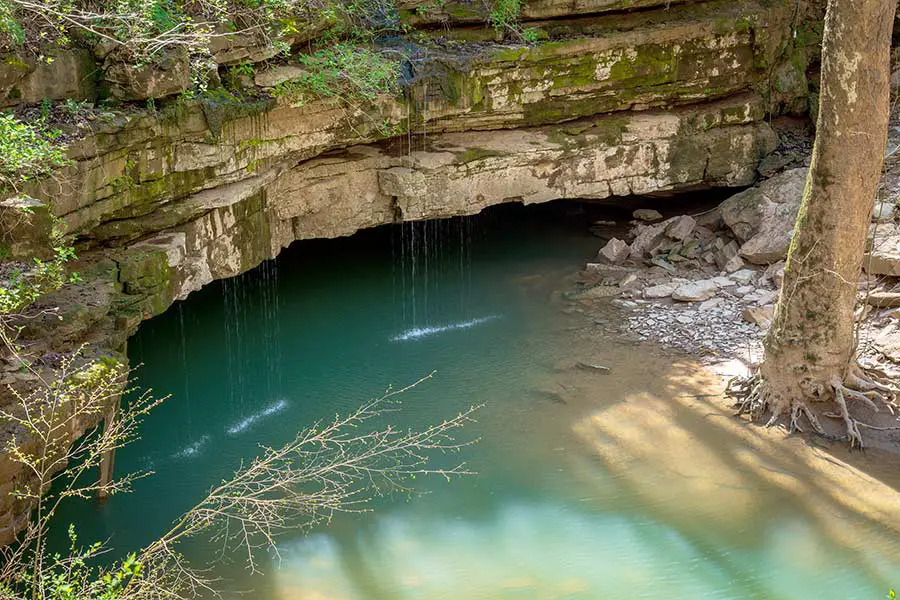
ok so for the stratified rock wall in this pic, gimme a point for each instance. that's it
(620, 97)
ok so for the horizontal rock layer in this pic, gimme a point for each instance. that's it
(225, 231)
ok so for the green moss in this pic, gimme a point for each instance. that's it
(511, 54)
(255, 233)
(99, 372)
(221, 107)
(647, 66)
(146, 282)
(464, 12)
(462, 90)
(15, 61)
(475, 153)
(144, 199)
(610, 130)
(144, 272)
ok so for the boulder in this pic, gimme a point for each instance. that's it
(647, 214)
(761, 297)
(695, 291)
(763, 217)
(65, 74)
(887, 341)
(727, 252)
(168, 75)
(648, 237)
(723, 282)
(711, 303)
(26, 229)
(883, 257)
(733, 264)
(742, 277)
(884, 212)
(679, 228)
(614, 252)
(759, 315)
(663, 290)
(278, 74)
(775, 274)
(711, 220)
(883, 299)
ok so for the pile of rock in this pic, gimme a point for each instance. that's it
(705, 283)
(708, 283)
(753, 226)
(666, 243)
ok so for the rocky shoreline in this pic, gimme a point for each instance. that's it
(706, 284)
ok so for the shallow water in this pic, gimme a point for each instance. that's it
(628, 485)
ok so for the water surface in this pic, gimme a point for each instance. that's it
(628, 485)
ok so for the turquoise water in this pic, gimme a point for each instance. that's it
(550, 514)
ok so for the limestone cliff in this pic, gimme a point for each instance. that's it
(619, 97)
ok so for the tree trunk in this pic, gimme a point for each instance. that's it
(812, 339)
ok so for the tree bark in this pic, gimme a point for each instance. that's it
(812, 339)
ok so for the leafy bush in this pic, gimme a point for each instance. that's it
(27, 150)
(505, 14)
(345, 71)
(147, 28)
(26, 283)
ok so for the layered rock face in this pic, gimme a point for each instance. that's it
(622, 98)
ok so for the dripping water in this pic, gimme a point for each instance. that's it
(186, 369)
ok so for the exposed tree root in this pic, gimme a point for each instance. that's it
(757, 397)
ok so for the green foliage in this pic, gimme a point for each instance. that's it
(505, 19)
(345, 71)
(505, 14)
(9, 26)
(530, 35)
(247, 69)
(72, 576)
(891, 595)
(27, 150)
(29, 282)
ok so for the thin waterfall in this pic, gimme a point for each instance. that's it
(270, 330)
(186, 370)
(229, 346)
(431, 257)
(234, 341)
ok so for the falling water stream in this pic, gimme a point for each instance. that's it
(593, 486)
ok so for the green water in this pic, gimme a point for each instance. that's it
(252, 360)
